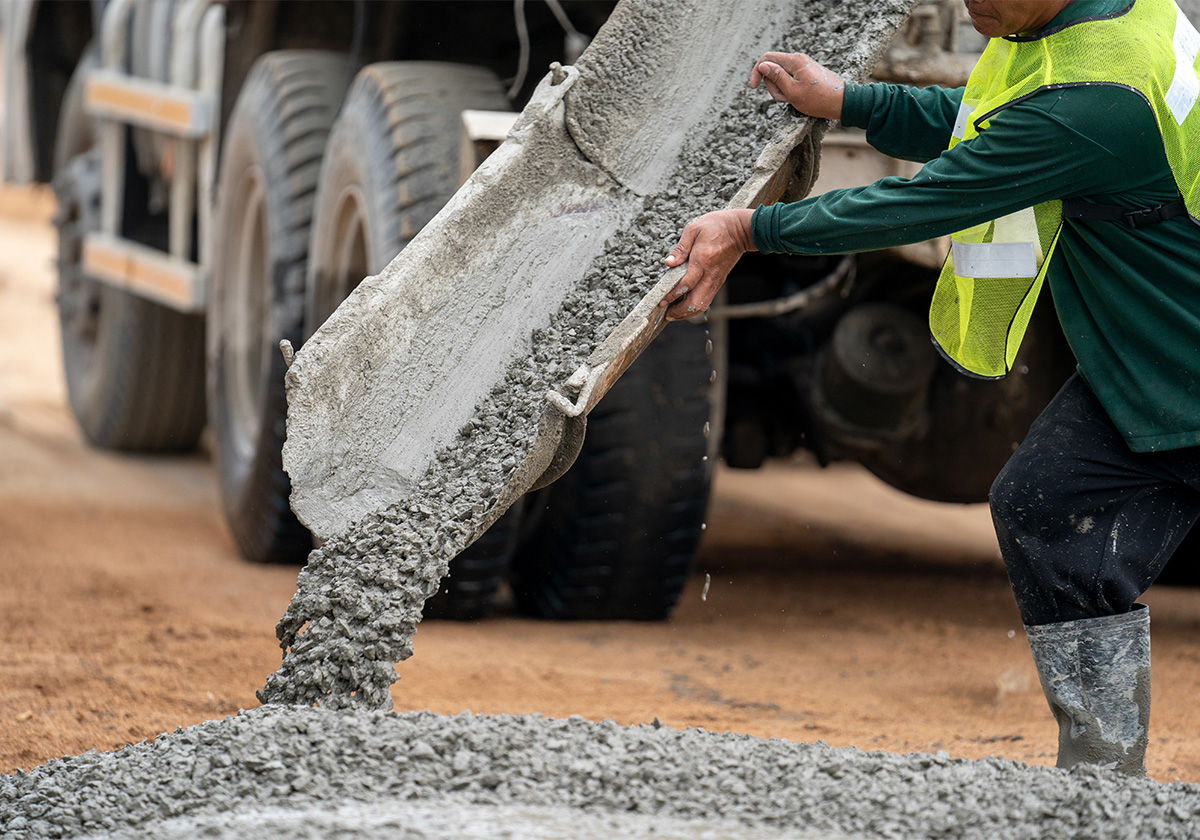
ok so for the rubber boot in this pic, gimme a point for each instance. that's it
(1095, 673)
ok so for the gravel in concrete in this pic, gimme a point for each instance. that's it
(301, 772)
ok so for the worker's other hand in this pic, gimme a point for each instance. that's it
(711, 246)
(801, 82)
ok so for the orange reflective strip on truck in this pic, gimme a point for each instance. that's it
(156, 275)
(146, 103)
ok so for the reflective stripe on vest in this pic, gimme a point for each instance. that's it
(994, 271)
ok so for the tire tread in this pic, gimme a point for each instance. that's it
(288, 105)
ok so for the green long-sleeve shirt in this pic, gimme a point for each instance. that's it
(1128, 300)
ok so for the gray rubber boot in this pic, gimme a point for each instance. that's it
(1095, 673)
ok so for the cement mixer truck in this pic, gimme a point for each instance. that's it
(228, 171)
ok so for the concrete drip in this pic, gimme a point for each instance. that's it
(301, 772)
(360, 596)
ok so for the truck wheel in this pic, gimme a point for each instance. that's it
(615, 537)
(391, 164)
(269, 165)
(134, 370)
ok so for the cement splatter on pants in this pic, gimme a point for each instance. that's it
(1085, 524)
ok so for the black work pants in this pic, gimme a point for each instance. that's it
(1085, 525)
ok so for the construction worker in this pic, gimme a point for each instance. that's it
(1073, 155)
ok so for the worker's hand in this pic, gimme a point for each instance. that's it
(801, 82)
(711, 246)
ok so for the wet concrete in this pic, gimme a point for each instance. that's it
(393, 463)
(300, 773)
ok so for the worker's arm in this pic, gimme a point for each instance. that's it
(901, 121)
(1058, 144)
(1055, 145)
(905, 122)
(994, 174)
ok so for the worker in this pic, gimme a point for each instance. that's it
(1072, 156)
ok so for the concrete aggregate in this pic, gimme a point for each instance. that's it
(304, 772)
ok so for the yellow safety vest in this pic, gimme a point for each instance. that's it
(994, 271)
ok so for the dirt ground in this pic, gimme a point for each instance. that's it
(836, 608)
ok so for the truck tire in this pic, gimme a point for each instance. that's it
(616, 536)
(392, 162)
(134, 369)
(270, 161)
